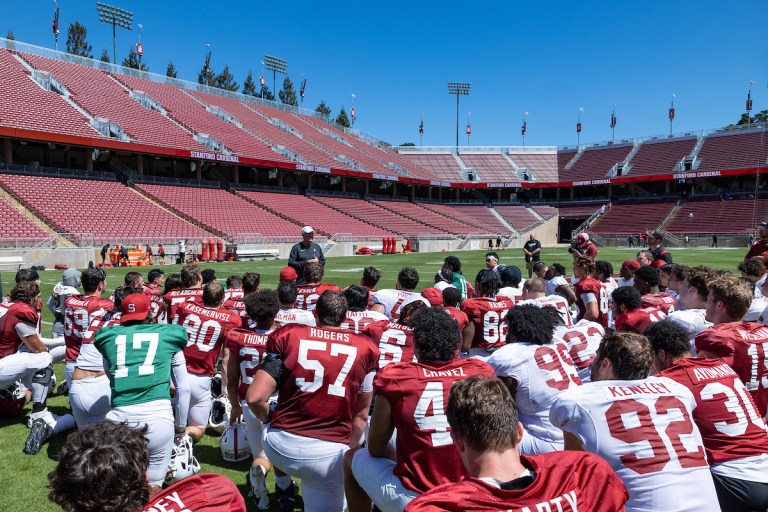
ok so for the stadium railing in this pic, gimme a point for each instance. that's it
(184, 182)
(56, 171)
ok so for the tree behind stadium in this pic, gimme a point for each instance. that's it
(170, 71)
(225, 80)
(342, 119)
(249, 86)
(77, 44)
(132, 61)
(323, 109)
(288, 95)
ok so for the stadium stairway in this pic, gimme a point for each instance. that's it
(170, 209)
(34, 217)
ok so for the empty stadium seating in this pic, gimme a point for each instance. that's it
(191, 113)
(26, 105)
(734, 151)
(382, 217)
(448, 223)
(105, 209)
(482, 215)
(659, 157)
(490, 167)
(594, 164)
(222, 211)
(520, 217)
(631, 218)
(100, 95)
(714, 216)
(304, 210)
(16, 225)
(443, 165)
(543, 166)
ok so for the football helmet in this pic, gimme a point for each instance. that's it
(220, 410)
(583, 238)
(234, 443)
(183, 463)
(216, 391)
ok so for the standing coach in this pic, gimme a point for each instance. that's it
(304, 252)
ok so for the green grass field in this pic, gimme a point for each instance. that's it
(23, 478)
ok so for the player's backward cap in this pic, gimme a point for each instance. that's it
(631, 264)
(134, 307)
(511, 275)
(307, 229)
(433, 295)
(288, 274)
(762, 225)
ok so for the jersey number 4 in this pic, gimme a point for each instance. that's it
(434, 396)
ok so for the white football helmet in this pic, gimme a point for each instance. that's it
(234, 443)
(220, 410)
(183, 463)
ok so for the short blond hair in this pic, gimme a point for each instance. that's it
(733, 293)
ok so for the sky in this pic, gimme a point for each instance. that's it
(547, 58)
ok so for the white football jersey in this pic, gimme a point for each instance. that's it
(357, 320)
(582, 340)
(610, 285)
(644, 430)
(558, 303)
(510, 292)
(693, 321)
(625, 282)
(555, 283)
(295, 316)
(394, 300)
(58, 296)
(755, 310)
(541, 372)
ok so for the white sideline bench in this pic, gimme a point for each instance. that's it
(11, 262)
(256, 254)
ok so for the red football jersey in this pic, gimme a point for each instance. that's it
(322, 373)
(595, 287)
(206, 330)
(730, 425)
(639, 319)
(237, 306)
(307, 294)
(14, 313)
(248, 348)
(357, 321)
(565, 481)
(662, 300)
(417, 394)
(459, 316)
(743, 346)
(157, 304)
(174, 298)
(199, 493)
(488, 316)
(233, 294)
(758, 249)
(77, 316)
(395, 342)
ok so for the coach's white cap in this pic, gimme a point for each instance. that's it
(307, 229)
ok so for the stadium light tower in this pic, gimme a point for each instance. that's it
(672, 113)
(458, 88)
(55, 25)
(524, 131)
(578, 128)
(276, 66)
(116, 17)
(749, 103)
(613, 124)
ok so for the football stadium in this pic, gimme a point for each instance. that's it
(322, 320)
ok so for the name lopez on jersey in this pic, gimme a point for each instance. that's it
(328, 335)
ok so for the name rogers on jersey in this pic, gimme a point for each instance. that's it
(568, 502)
(328, 335)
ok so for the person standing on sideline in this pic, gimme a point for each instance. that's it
(304, 252)
(498, 242)
(630, 241)
(532, 250)
(661, 256)
(714, 240)
(760, 247)
(182, 252)
(104, 251)
(161, 254)
(686, 240)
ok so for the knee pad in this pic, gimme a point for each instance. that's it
(43, 376)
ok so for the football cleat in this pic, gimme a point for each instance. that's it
(63, 389)
(41, 431)
(259, 491)
(220, 410)
(216, 390)
(234, 443)
(286, 499)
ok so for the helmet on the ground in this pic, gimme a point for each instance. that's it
(234, 443)
(220, 409)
